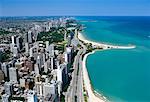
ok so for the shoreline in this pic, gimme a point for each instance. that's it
(93, 96)
(103, 45)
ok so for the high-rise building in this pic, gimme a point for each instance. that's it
(5, 69)
(46, 67)
(62, 74)
(47, 44)
(5, 98)
(39, 88)
(66, 57)
(36, 69)
(8, 88)
(19, 42)
(13, 74)
(31, 52)
(49, 89)
(30, 36)
(69, 40)
(31, 96)
(43, 58)
(12, 47)
(51, 50)
(1, 76)
(65, 72)
(13, 39)
(69, 54)
(59, 73)
(52, 63)
(15, 51)
(26, 48)
(39, 62)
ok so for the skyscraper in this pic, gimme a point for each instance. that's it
(31, 52)
(26, 48)
(29, 36)
(5, 98)
(19, 42)
(8, 88)
(31, 96)
(13, 74)
(5, 69)
(69, 40)
(49, 89)
(51, 50)
(12, 39)
(15, 51)
(36, 69)
(39, 62)
(47, 44)
(52, 63)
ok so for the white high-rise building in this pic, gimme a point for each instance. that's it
(13, 74)
(51, 50)
(30, 36)
(47, 44)
(12, 47)
(59, 74)
(36, 69)
(62, 76)
(31, 96)
(39, 88)
(5, 98)
(46, 67)
(8, 88)
(49, 89)
(13, 39)
(27, 48)
(5, 69)
(66, 57)
(31, 52)
(15, 51)
(22, 82)
(44, 58)
(52, 63)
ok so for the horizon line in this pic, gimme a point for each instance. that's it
(80, 15)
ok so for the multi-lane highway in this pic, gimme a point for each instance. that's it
(75, 90)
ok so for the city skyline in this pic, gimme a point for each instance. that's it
(75, 8)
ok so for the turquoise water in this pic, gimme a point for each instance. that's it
(120, 75)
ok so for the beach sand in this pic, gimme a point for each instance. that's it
(103, 45)
(92, 97)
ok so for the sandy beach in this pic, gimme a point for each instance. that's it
(104, 46)
(87, 84)
(92, 96)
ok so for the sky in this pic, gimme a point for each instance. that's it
(74, 7)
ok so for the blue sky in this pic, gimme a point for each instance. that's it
(75, 7)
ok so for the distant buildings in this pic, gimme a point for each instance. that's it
(37, 71)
